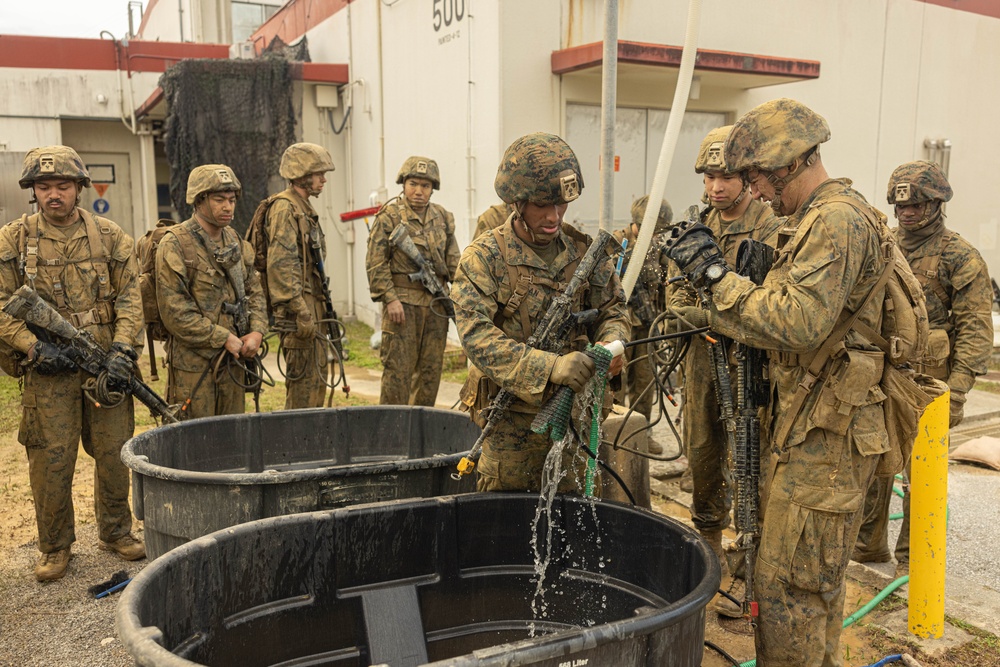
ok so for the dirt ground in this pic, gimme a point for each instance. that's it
(60, 623)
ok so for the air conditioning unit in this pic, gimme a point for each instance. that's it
(242, 51)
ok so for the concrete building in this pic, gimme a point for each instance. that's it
(458, 80)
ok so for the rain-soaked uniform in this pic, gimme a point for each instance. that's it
(295, 286)
(87, 271)
(702, 429)
(494, 326)
(191, 287)
(412, 353)
(959, 297)
(817, 477)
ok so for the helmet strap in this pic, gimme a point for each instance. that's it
(518, 207)
(736, 202)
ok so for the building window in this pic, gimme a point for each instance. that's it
(248, 16)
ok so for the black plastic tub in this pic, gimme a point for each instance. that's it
(440, 581)
(194, 478)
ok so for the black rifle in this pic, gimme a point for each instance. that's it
(79, 346)
(332, 320)
(753, 260)
(400, 238)
(549, 336)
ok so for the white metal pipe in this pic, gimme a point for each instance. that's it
(684, 76)
(609, 98)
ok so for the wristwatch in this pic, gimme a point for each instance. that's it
(715, 272)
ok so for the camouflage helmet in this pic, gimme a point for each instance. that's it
(711, 155)
(420, 167)
(772, 135)
(539, 168)
(211, 178)
(663, 220)
(918, 182)
(303, 159)
(51, 162)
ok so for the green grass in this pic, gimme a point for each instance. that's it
(992, 387)
(10, 403)
(358, 343)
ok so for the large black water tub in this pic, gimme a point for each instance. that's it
(440, 581)
(193, 478)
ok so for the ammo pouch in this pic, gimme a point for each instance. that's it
(853, 382)
(907, 394)
(936, 361)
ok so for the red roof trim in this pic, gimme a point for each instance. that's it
(146, 107)
(989, 8)
(295, 19)
(592, 55)
(99, 54)
(320, 73)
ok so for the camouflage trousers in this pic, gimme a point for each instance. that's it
(513, 458)
(873, 540)
(412, 355)
(218, 393)
(306, 371)
(705, 442)
(56, 416)
(639, 376)
(805, 548)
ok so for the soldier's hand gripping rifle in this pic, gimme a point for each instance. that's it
(753, 260)
(400, 238)
(79, 346)
(549, 336)
(330, 318)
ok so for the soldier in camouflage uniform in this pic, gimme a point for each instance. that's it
(826, 434)
(83, 266)
(644, 306)
(959, 296)
(732, 216)
(505, 283)
(490, 219)
(193, 288)
(414, 330)
(294, 284)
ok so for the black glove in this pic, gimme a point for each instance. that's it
(121, 362)
(692, 246)
(50, 360)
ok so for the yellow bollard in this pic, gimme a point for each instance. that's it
(928, 520)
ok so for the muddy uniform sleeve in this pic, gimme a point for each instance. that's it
(284, 261)
(377, 262)
(513, 365)
(13, 332)
(254, 290)
(606, 294)
(178, 310)
(822, 273)
(971, 307)
(128, 299)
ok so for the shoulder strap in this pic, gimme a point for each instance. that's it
(520, 283)
(97, 229)
(186, 240)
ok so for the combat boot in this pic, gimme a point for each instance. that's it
(687, 481)
(723, 606)
(52, 566)
(128, 547)
(655, 447)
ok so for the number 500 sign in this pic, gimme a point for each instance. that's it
(447, 12)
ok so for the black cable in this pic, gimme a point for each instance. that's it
(726, 594)
(720, 651)
(611, 472)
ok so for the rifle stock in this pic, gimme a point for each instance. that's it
(79, 346)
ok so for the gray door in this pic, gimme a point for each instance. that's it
(111, 195)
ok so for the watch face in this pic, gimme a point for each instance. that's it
(714, 272)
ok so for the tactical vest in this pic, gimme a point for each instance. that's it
(926, 270)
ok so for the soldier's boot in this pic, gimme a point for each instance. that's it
(52, 566)
(720, 603)
(128, 547)
(723, 606)
(655, 447)
(687, 481)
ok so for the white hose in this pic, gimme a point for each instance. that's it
(684, 77)
(609, 100)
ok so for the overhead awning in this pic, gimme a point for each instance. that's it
(657, 65)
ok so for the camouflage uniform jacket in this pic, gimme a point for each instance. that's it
(482, 288)
(758, 222)
(491, 218)
(191, 309)
(291, 272)
(647, 296)
(69, 263)
(389, 269)
(959, 302)
(830, 262)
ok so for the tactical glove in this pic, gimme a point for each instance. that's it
(957, 408)
(692, 246)
(695, 316)
(121, 363)
(49, 359)
(573, 370)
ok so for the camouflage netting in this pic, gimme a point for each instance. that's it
(234, 112)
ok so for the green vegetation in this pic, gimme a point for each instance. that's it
(992, 387)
